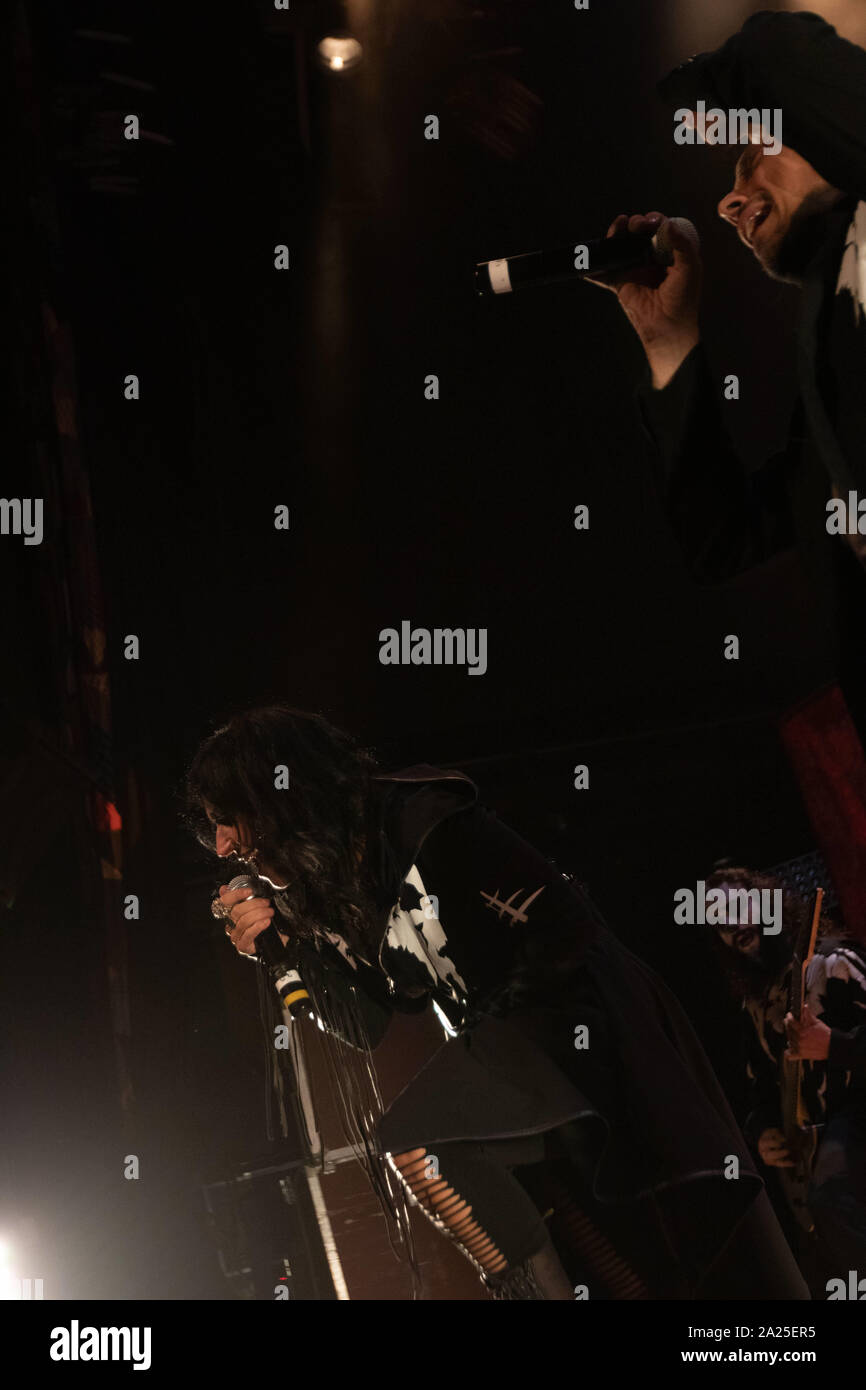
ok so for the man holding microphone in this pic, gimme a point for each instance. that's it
(802, 214)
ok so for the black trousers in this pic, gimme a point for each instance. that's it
(527, 1195)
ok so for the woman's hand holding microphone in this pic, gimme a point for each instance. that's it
(246, 918)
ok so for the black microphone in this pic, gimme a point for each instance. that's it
(271, 952)
(624, 251)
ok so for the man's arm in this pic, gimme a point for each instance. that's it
(724, 519)
(814, 1040)
(837, 985)
(848, 1050)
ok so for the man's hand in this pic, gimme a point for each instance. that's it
(249, 917)
(808, 1039)
(661, 303)
(774, 1150)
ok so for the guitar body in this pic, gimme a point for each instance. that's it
(803, 1145)
(801, 1137)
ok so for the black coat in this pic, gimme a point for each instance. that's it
(651, 1124)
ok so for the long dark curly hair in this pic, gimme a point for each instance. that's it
(314, 831)
(750, 979)
(321, 833)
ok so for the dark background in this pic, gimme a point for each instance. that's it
(306, 388)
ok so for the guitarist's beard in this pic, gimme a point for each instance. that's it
(751, 977)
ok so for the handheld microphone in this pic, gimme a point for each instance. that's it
(271, 952)
(624, 251)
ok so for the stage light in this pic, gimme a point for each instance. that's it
(339, 52)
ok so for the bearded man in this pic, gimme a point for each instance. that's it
(830, 1041)
(801, 213)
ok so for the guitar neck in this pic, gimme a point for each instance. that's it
(795, 992)
(792, 1072)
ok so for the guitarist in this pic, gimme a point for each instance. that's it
(828, 1039)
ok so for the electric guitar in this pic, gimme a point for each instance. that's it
(801, 1136)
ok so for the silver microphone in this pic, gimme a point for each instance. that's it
(270, 950)
(242, 881)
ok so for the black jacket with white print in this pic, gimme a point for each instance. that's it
(550, 1024)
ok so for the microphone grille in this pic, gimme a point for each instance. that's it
(242, 881)
(686, 229)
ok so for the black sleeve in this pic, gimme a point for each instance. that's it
(725, 520)
(844, 1005)
(848, 1051)
(799, 65)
